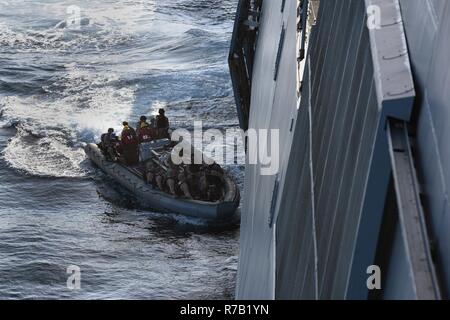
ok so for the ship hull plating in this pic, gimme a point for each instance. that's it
(344, 200)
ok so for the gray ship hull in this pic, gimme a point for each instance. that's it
(364, 158)
(152, 198)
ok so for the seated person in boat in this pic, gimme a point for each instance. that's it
(215, 169)
(154, 174)
(162, 125)
(160, 178)
(151, 171)
(183, 182)
(213, 193)
(171, 176)
(108, 144)
(129, 143)
(215, 176)
(210, 183)
(186, 180)
(203, 184)
(192, 173)
(176, 180)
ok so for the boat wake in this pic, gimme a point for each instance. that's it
(121, 65)
(50, 131)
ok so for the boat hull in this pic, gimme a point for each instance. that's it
(150, 197)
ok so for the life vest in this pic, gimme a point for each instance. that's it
(145, 134)
(128, 136)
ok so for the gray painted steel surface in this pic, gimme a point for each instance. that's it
(414, 236)
(273, 105)
(427, 27)
(335, 165)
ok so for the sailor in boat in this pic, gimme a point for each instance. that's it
(191, 173)
(130, 146)
(210, 181)
(191, 181)
(108, 144)
(183, 182)
(160, 178)
(145, 136)
(151, 170)
(171, 176)
(162, 125)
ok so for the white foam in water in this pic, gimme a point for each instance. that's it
(61, 87)
(49, 131)
(46, 157)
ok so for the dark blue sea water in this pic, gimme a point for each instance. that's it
(62, 86)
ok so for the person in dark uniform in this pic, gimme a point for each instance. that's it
(162, 125)
(153, 128)
(150, 172)
(203, 185)
(171, 177)
(213, 193)
(211, 182)
(183, 182)
(215, 169)
(159, 179)
(130, 145)
(192, 175)
(108, 144)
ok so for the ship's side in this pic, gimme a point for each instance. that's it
(362, 180)
(427, 26)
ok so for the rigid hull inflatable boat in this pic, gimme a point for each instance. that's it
(148, 196)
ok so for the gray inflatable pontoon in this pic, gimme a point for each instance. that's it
(153, 198)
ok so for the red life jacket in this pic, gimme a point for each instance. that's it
(128, 136)
(145, 134)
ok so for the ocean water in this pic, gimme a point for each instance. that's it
(68, 71)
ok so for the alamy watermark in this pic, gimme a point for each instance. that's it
(262, 147)
(74, 279)
(374, 280)
(373, 17)
(73, 20)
